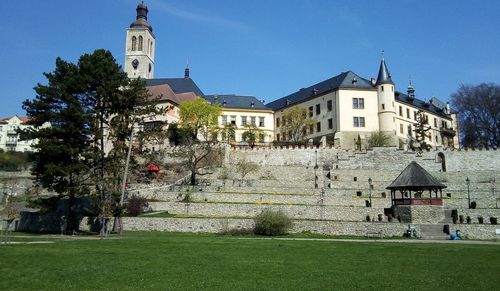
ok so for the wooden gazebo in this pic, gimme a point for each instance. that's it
(411, 186)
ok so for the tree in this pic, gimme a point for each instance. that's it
(79, 102)
(379, 139)
(421, 128)
(200, 118)
(245, 167)
(296, 123)
(252, 134)
(479, 114)
(63, 156)
(229, 132)
(198, 157)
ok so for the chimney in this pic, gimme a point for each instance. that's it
(252, 104)
(373, 81)
(448, 110)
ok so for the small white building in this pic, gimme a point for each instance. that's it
(9, 138)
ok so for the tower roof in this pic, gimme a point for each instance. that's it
(142, 17)
(384, 77)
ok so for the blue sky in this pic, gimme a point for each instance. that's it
(268, 49)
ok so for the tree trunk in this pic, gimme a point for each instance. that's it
(71, 226)
(193, 178)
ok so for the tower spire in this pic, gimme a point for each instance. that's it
(141, 20)
(384, 77)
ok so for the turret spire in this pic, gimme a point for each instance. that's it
(384, 77)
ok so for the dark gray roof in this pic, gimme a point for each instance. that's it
(384, 77)
(432, 107)
(235, 101)
(414, 177)
(178, 85)
(346, 80)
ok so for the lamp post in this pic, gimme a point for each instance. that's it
(467, 181)
(315, 169)
(370, 190)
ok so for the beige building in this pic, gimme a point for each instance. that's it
(347, 106)
(243, 112)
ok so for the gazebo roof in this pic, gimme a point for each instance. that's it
(414, 177)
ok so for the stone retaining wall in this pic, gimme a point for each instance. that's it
(217, 225)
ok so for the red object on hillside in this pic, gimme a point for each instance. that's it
(153, 168)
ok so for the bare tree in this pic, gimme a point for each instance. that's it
(479, 114)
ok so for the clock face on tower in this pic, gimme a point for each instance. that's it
(135, 64)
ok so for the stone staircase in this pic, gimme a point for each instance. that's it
(433, 232)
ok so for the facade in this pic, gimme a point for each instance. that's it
(243, 113)
(9, 138)
(347, 106)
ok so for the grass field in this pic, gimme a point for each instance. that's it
(173, 261)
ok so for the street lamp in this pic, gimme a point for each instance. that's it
(315, 169)
(370, 190)
(467, 181)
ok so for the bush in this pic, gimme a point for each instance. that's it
(493, 220)
(469, 220)
(473, 205)
(480, 219)
(270, 222)
(136, 205)
(237, 231)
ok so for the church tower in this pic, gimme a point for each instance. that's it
(140, 46)
(386, 98)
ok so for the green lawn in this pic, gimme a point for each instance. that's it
(172, 261)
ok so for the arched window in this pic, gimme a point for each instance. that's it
(140, 43)
(150, 48)
(441, 159)
(134, 43)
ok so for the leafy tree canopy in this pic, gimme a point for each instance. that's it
(199, 117)
(295, 124)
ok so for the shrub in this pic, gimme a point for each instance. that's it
(469, 220)
(136, 205)
(380, 217)
(270, 222)
(238, 231)
(473, 205)
(368, 218)
(480, 219)
(461, 218)
(493, 220)
(187, 198)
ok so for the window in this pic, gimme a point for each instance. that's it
(318, 126)
(310, 111)
(401, 129)
(383, 106)
(318, 109)
(359, 122)
(277, 122)
(408, 113)
(400, 110)
(134, 43)
(233, 119)
(252, 120)
(330, 123)
(224, 120)
(415, 115)
(358, 103)
(278, 137)
(435, 122)
(139, 46)
(244, 137)
(243, 120)
(410, 133)
(329, 106)
(261, 121)
(311, 129)
(382, 88)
